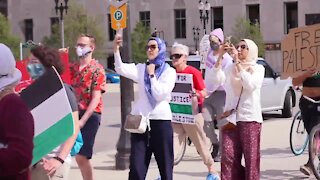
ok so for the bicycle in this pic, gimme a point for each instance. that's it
(314, 145)
(297, 128)
(182, 150)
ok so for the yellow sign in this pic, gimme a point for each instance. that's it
(118, 16)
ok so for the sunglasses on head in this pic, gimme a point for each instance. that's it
(151, 47)
(242, 46)
(175, 56)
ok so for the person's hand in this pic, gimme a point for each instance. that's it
(151, 68)
(117, 43)
(223, 49)
(193, 92)
(234, 53)
(64, 50)
(310, 72)
(51, 166)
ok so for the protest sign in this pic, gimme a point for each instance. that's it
(300, 50)
(182, 104)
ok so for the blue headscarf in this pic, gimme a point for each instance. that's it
(161, 66)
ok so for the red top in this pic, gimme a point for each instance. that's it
(198, 82)
(89, 79)
(16, 138)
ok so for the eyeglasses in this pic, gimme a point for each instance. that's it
(176, 56)
(242, 47)
(151, 47)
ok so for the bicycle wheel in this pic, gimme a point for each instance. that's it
(298, 135)
(314, 150)
(179, 151)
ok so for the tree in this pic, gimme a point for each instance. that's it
(244, 29)
(13, 42)
(139, 39)
(77, 22)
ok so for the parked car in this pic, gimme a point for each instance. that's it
(112, 76)
(276, 94)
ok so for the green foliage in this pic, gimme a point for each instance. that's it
(13, 42)
(243, 29)
(77, 22)
(139, 39)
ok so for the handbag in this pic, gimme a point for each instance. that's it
(136, 124)
(228, 119)
(77, 145)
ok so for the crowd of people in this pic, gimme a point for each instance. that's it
(229, 96)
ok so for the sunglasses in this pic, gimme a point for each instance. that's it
(175, 56)
(151, 47)
(242, 47)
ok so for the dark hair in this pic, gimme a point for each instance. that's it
(48, 57)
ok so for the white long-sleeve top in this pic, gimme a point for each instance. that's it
(161, 89)
(249, 108)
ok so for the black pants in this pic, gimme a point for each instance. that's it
(159, 140)
(310, 113)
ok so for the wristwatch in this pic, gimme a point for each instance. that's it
(151, 76)
(58, 159)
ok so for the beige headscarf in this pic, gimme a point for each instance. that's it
(251, 60)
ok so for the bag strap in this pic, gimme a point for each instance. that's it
(239, 98)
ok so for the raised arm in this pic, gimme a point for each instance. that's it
(128, 70)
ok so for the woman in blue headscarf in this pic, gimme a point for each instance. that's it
(156, 80)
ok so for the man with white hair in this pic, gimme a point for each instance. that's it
(195, 132)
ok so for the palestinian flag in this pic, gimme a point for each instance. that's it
(49, 105)
(181, 100)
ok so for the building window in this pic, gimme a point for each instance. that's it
(253, 14)
(54, 24)
(112, 32)
(312, 19)
(216, 17)
(28, 31)
(145, 18)
(291, 16)
(4, 7)
(180, 23)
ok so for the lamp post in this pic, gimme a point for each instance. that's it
(61, 8)
(122, 157)
(204, 13)
(196, 36)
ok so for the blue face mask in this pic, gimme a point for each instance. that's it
(214, 46)
(35, 70)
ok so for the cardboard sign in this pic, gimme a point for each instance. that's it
(301, 50)
(182, 105)
(48, 102)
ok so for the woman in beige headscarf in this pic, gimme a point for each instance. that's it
(243, 81)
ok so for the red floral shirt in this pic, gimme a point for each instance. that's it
(90, 78)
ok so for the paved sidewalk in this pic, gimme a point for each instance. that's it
(277, 161)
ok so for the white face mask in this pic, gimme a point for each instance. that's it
(82, 52)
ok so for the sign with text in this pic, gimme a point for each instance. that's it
(182, 103)
(118, 12)
(301, 50)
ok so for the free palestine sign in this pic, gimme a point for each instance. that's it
(300, 50)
